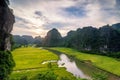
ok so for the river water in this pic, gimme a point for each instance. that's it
(82, 69)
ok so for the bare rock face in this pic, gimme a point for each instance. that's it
(6, 25)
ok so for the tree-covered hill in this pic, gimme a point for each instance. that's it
(53, 38)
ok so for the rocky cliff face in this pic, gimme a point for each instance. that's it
(6, 25)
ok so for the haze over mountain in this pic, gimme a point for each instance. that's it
(103, 39)
(36, 17)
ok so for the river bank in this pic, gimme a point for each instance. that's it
(101, 62)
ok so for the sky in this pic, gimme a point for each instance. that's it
(37, 17)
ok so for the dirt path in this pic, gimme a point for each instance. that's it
(27, 69)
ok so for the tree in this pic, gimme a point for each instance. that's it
(49, 75)
(104, 40)
(83, 39)
(89, 38)
(6, 64)
(109, 39)
(116, 26)
(68, 40)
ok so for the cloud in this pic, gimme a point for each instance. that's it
(118, 4)
(17, 19)
(39, 13)
(57, 25)
(39, 16)
(74, 11)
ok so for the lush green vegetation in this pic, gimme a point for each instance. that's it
(31, 57)
(100, 76)
(103, 41)
(6, 64)
(53, 38)
(106, 63)
(29, 65)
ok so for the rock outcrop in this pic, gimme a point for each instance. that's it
(53, 38)
(6, 25)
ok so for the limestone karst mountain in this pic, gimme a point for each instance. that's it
(53, 38)
(6, 25)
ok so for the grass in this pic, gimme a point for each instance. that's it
(106, 63)
(26, 58)
(31, 57)
(60, 72)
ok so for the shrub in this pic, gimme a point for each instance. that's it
(24, 78)
(6, 64)
(45, 76)
(64, 78)
(49, 65)
(100, 76)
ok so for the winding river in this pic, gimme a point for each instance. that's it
(82, 69)
(71, 67)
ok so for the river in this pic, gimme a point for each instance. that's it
(82, 69)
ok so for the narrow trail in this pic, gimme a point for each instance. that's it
(27, 69)
(30, 69)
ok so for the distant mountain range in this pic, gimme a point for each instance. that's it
(105, 39)
(26, 39)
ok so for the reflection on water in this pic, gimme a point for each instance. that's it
(80, 69)
(71, 66)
